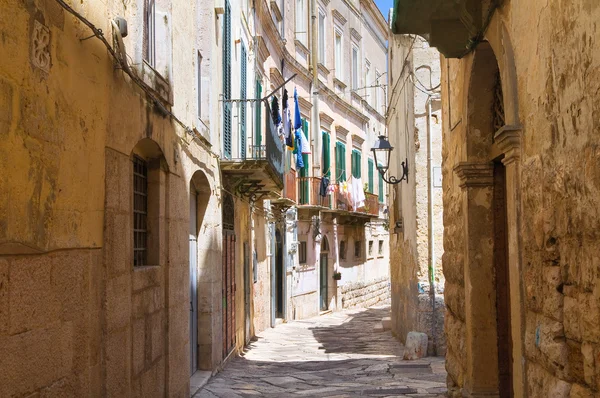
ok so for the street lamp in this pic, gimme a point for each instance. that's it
(381, 152)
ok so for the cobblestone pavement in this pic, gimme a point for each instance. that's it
(335, 355)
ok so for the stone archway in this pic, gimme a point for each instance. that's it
(490, 195)
(201, 274)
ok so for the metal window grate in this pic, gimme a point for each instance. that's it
(140, 211)
(498, 105)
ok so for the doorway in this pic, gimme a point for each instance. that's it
(502, 282)
(193, 243)
(279, 277)
(323, 275)
(228, 275)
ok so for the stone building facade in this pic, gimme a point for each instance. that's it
(416, 224)
(108, 180)
(520, 182)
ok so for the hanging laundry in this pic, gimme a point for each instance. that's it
(287, 133)
(298, 152)
(331, 189)
(305, 146)
(275, 115)
(324, 186)
(297, 117)
(284, 100)
(358, 193)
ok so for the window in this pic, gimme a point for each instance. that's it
(227, 114)
(354, 67)
(321, 58)
(243, 89)
(380, 249)
(199, 81)
(149, 48)
(301, 29)
(140, 212)
(343, 250)
(258, 117)
(376, 91)
(357, 248)
(338, 55)
(371, 176)
(302, 253)
(356, 163)
(370, 248)
(368, 81)
(326, 167)
(340, 161)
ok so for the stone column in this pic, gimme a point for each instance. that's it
(481, 352)
(508, 140)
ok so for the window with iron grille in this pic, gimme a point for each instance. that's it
(140, 211)
(149, 47)
(370, 248)
(343, 250)
(380, 250)
(498, 105)
(302, 253)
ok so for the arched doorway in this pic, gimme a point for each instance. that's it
(483, 178)
(200, 341)
(323, 275)
(228, 274)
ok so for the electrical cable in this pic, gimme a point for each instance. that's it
(139, 82)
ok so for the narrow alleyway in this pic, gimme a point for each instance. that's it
(343, 354)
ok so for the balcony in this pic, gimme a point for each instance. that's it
(289, 196)
(448, 25)
(308, 193)
(256, 171)
(345, 212)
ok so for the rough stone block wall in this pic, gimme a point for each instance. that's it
(556, 103)
(365, 294)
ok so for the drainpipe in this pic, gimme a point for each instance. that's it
(314, 90)
(430, 242)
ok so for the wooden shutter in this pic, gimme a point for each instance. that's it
(355, 163)
(326, 155)
(227, 81)
(371, 180)
(243, 103)
(258, 129)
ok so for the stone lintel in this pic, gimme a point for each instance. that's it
(508, 140)
(475, 174)
(338, 16)
(326, 120)
(341, 133)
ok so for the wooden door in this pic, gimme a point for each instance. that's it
(228, 277)
(503, 324)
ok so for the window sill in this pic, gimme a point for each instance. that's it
(339, 83)
(156, 82)
(323, 69)
(276, 10)
(301, 47)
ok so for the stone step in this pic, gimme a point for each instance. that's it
(386, 322)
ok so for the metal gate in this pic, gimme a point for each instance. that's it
(228, 288)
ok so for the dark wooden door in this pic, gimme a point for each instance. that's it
(228, 285)
(505, 360)
(228, 292)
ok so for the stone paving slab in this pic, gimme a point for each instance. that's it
(337, 355)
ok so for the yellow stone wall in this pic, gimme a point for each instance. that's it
(547, 54)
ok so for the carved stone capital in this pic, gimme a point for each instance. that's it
(475, 174)
(508, 139)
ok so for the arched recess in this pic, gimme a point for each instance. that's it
(201, 274)
(490, 182)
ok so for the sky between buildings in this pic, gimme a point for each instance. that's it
(384, 6)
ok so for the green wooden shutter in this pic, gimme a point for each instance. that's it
(371, 181)
(258, 129)
(343, 163)
(243, 103)
(326, 168)
(381, 195)
(227, 81)
(356, 163)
